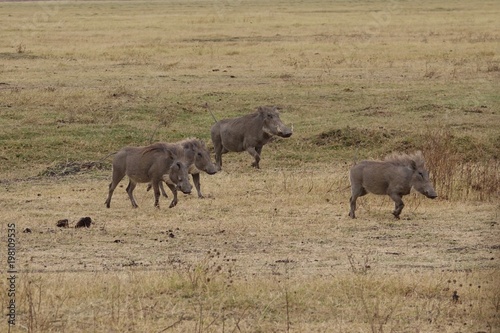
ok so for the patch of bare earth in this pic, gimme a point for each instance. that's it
(255, 226)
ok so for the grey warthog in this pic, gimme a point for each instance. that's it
(250, 133)
(195, 155)
(394, 176)
(148, 165)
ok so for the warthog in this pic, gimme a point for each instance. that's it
(196, 157)
(394, 176)
(250, 133)
(148, 165)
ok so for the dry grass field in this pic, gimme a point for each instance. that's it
(269, 250)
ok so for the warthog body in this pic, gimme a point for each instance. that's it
(195, 155)
(148, 165)
(394, 176)
(247, 133)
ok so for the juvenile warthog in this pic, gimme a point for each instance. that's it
(148, 165)
(250, 133)
(394, 176)
(195, 155)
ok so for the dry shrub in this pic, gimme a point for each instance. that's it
(459, 174)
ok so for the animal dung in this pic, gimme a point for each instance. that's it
(64, 223)
(84, 222)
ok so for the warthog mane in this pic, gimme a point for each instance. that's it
(416, 158)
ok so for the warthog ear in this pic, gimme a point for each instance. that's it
(175, 166)
(169, 154)
(188, 145)
(413, 165)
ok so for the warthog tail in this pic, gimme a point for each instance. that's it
(208, 108)
(355, 158)
(105, 157)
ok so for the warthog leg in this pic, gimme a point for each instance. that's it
(357, 191)
(130, 189)
(219, 150)
(173, 188)
(196, 181)
(399, 205)
(112, 187)
(353, 207)
(256, 155)
(162, 189)
(258, 149)
(118, 175)
(156, 189)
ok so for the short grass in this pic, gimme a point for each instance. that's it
(268, 250)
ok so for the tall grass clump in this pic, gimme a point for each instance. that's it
(461, 171)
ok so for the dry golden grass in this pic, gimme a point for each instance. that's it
(266, 250)
(270, 250)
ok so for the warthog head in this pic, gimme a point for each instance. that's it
(421, 182)
(178, 174)
(202, 160)
(272, 123)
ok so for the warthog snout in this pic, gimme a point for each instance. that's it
(284, 132)
(430, 194)
(210, 168)
(212, 171)
(185, 189)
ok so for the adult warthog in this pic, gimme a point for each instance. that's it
(394, 176)
(195, 155)
(148, 165)
(250, 133)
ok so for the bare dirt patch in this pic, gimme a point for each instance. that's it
(255, 224)
(274, 233)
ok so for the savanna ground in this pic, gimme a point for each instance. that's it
(270, 250)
